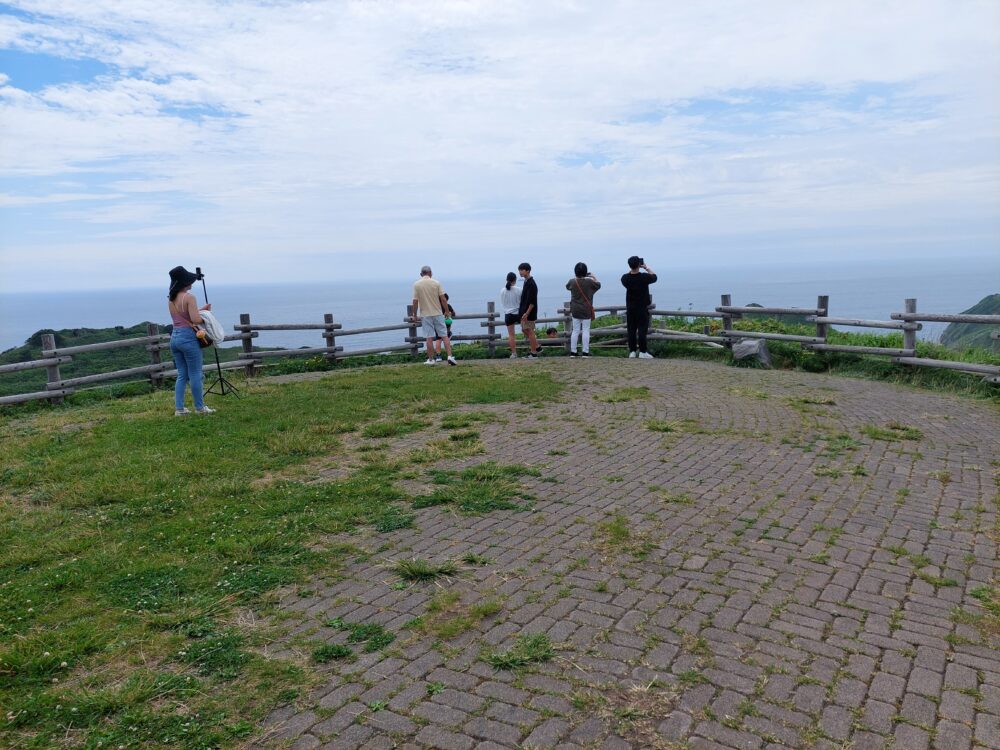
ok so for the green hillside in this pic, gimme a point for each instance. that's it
(961, 336)
(88, 363)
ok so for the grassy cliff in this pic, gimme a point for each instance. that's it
(962, 336)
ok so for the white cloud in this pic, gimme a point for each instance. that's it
(321, 127)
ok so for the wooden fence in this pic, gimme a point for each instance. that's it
(909, 322)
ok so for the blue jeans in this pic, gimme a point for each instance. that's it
(187, 357)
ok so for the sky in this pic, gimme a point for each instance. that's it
(304, 141)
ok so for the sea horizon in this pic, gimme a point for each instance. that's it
(871, 290)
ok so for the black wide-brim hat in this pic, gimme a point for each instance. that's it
(180, 277)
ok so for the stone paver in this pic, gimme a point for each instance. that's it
(787, 581)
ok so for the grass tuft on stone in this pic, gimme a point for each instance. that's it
(628, 393)
(418, 570)
(527, 649)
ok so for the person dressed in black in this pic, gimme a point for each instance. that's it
(528, 310)
(636, 283)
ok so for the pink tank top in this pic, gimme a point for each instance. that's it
(179, 320)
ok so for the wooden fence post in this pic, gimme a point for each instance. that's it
(52, 371)
(910, 334)
(330, 336)
(155, 378)
(727, 319)
(415, 349)
(822, 303)
(568, 325)
(491, 329)
(247, 343)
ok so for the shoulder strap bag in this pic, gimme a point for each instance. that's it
(593, 312)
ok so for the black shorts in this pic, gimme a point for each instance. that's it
(511, 319)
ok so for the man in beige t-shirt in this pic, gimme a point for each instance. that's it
(429, 304)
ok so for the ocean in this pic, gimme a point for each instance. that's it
(872, 290)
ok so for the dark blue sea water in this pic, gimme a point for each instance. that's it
(871, 290)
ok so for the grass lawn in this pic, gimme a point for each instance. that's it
(131, 541)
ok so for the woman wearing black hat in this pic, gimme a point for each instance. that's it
(185, 313)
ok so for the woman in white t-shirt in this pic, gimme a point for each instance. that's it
(510, 301)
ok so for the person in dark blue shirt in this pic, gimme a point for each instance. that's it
(637, 297)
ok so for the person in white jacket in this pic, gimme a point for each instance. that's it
(510, 302)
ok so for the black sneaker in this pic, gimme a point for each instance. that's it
(585, 354)
(573, 354)
(537, 352)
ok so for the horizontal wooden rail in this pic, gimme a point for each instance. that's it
(941, 318)
(770, 310)
(119, 344)
(373, 350)
(374, 329)
(287, 326)
(231, 337)
(298, 352)
(772, 336)
(948, 365)
(207, 370)
(687, 314)
(459, 337)
(35, 364)
(102, 376)
(897, 325)
(885, 351)
(36, 396)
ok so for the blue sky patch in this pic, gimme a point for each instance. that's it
(33, 71)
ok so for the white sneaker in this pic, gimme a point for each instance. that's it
(632, 355)
(645, 355)
(182, 412)
(430, 362)
(451, 361)
(206, 410)
(513, 356)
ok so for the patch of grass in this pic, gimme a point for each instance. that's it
(615, 536)
(330, 652)
(482, 488)
(813, 401)
(393, 427)
(473, 558)
(936, 581)
(394, 518)
(746, 392)
(117, 569)
(463, 419)
(527, 649)
(661, 425)
(372, 634)
(837, 445)
(447, 617)
(691, 677)
(828, 471)
(628, 393)
(894, 431)
(417, 570)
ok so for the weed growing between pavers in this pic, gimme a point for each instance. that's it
(447, 617)
(527, 649)
(330, 652)
(417, 570)
(482, 488)
(373, 635)
(631, 713)
(892, 432)
(109, 575)
(615, 536)
(463, 419)
(627, 393)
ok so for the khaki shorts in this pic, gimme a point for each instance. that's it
(528, 325)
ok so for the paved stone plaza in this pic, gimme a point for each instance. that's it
(727, 561)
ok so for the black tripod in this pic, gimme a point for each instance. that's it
(224, 386)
